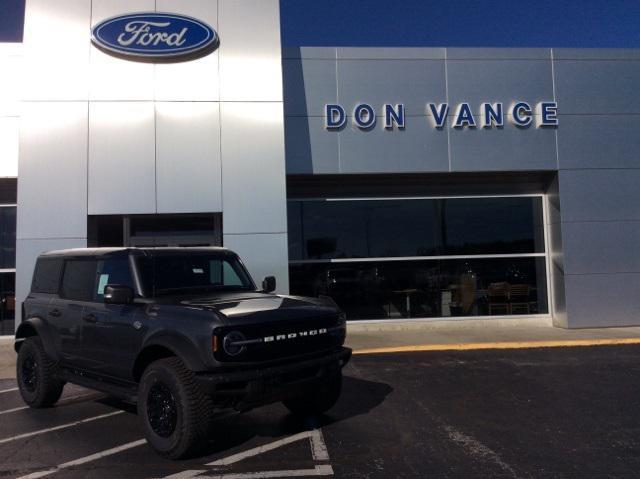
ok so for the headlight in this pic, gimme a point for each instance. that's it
(232, 343)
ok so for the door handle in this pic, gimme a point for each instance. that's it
(90, 318)
(55, 313)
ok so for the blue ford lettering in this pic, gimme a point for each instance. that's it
(154, 35)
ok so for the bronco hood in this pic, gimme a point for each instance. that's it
(260, 307)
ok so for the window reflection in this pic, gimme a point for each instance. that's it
(362, 228)
(7, 237)
(7, 303)
(492, 225)
(322, 229)
(427, 288)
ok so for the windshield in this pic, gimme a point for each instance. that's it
(193, 273)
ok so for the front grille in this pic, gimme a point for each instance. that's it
(281, 339)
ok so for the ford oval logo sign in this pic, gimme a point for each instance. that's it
(154, 36)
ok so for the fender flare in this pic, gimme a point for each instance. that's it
(180, 345)
(42, 329)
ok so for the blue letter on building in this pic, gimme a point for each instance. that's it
(393, 115)
(439, 113)
(493, 115)
(364, 116)
(547, 113)
(335, 117)
(521, 114)
(464, 117)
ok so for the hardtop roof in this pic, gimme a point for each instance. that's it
(125, 251)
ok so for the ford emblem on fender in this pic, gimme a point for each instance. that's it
(155, 37)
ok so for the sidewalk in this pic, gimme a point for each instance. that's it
(397, 336)
(7, 358)
(478, 334)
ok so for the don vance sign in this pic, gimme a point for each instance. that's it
(463, 115)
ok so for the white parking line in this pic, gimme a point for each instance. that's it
(84, 460)
(57, 428)
(14, 409)
(318, 448)
(8, 390)
(62, 403)
(186, 474)
(318, 451)
(320, 470)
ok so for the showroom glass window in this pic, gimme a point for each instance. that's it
(432, 257)
(7, 269)
(7, 237)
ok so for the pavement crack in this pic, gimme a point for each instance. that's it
(468, 443)
(477, 449)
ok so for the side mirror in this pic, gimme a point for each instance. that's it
(118, 294)
(269, 284)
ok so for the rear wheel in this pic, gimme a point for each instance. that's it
(317, 399)
(36, 373)
(175, 414)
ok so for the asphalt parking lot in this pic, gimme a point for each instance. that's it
(560, 412)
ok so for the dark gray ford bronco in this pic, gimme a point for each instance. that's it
(182, 332)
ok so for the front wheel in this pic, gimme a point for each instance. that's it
(317, 399)
(175, 414)
(39, 386)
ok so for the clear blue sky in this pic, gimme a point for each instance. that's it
(502, 23)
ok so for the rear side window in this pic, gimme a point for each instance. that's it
(79, 280)
(46, 275)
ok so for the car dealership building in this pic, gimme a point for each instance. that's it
(406, 183)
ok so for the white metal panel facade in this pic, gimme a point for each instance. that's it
(152, 132)
(52, 187)
(9, 146)
(195, 80)
(252, 148)
(56, 50)
(250, 53)
(113, 78)
(122, 158)
(189, 131)
(10, 83)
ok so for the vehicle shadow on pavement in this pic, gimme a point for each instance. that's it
(231, 429)
(359, 396)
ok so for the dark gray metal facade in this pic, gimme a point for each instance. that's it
(592, 155)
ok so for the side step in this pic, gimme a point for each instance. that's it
(122, 390)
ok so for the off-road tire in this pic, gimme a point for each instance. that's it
(193, 409)
(41, 388)
(317, 399)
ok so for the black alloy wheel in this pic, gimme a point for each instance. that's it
(29, 372)
(37, 376)
(175, 414)
(161, 409)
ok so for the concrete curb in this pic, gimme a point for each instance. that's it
(356, 327)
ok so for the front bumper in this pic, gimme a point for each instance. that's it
(247, 389)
